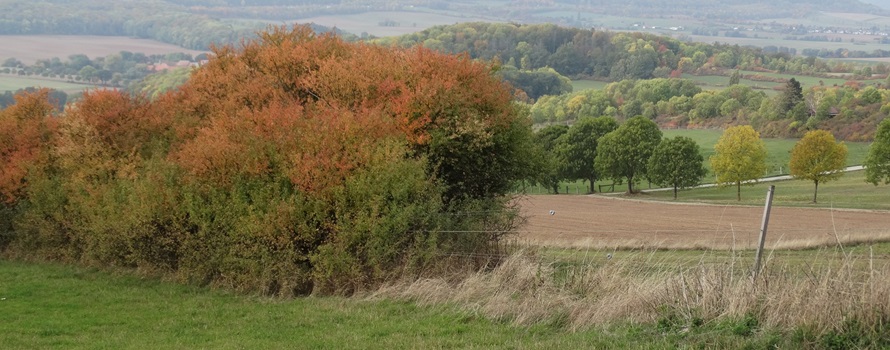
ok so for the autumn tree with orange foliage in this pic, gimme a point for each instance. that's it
(316, 111)
(446, 108)
(296, 163)
(26, 129)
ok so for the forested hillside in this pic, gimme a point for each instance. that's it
(851, 112)
(605, 55)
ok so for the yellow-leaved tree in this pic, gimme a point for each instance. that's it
(818, 157)
(740, 157)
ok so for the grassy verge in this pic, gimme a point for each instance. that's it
(52, 306)
(791, 304)
(741, 260)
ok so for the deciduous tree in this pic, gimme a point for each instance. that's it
(449, 109)
(26, 129)
(791, 96)
(579, 148)
(740, 156)
(549, 140)
(678, 163)
(295, 163)
(818, 157)
(877, 164)
(625, 152)
(734, 78)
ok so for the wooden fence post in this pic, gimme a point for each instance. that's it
(763, 226)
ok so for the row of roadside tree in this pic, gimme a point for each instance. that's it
(599, 148)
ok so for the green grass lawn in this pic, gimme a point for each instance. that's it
(850, 191)
(53, 306)
(808, 81)
(778, 150)
(720, 82)
(742, 260)
(578, 85)
(13, 83)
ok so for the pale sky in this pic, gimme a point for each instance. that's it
(882, 3)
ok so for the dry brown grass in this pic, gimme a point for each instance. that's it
(526, 291)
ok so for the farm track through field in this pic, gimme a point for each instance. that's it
(598, 222)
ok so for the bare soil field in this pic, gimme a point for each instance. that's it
(30, 48)
(599, 222)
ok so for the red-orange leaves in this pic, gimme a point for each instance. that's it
(316, 148)
(247, 145)
(123, 123)
(338, 100)
(25, 131)
(332, 144)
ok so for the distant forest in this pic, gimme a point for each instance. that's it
(516, 10)
(606, 55)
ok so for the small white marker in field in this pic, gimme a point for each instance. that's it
(552, 212)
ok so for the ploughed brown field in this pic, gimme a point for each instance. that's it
(603, 222)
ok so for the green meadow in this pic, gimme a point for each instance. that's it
(850, 191)
(47, 306)
(14, 83)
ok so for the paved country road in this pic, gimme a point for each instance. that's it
(765, 179)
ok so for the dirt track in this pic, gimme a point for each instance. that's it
(600, 222)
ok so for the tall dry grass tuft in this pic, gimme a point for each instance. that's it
(819, 298)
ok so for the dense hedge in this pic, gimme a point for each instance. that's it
(294, 164)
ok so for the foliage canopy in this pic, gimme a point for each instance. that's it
(549, 140)
(678, 163)
(740, 157)
(578, 148)
(877, 164)
(625, 152)
(819, 158)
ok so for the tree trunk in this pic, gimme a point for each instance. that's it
(592, 181)
(816, 191)
(630, 185)
(556, 188)
(738, 192)
(675, 192)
